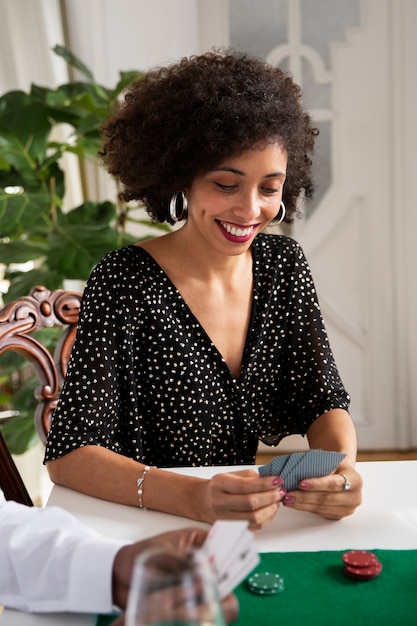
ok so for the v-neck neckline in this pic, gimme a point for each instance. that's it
(196, 321)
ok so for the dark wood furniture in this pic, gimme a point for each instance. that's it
(18, 320)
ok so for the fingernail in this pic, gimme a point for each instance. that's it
(289, 500)
(283, 492)
(277, 481)
(304, 485)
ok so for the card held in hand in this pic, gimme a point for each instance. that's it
(293, 468)
(232, 552)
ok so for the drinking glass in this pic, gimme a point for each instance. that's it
(173, 589)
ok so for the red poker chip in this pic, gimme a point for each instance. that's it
(363, 573)
(360, 559)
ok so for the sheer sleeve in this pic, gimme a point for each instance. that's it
(310, 374)
(301, 381)
(98, 389)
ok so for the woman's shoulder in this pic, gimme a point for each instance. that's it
(122, 268)
(120, 254)
(269, 244)
(121, 258)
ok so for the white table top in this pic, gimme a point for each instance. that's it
(386, 519)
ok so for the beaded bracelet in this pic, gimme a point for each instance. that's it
(139, 483)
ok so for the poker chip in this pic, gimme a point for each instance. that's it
(363, 573)
(266, 583)
(359, 558)
(361, 565)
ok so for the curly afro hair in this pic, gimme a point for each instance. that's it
(180, 121)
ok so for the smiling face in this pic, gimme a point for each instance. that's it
(230, 205)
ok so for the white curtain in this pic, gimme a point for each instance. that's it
(28, 31)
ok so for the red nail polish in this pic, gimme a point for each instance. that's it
(304, 485)
(277, 481)
(289, 500)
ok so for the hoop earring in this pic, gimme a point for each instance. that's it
(282, 209)
(177, 217)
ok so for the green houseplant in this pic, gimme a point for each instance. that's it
(59, 243)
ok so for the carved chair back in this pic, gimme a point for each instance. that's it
(18, 320)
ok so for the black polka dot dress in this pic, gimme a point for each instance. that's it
(146, 381)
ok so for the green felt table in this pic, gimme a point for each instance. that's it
(318, 593)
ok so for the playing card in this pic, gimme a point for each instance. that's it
(222, 542)
(240, 552)
(278, 464)
(314, 464)
(292, 461)
(293, 468)
(265, 470)
(230, 548)
(274, 468)
(238, 570)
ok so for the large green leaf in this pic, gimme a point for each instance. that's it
(50, 171)
(76, 249)
(21, 251)
(89, 125)
(20, 433)
(80, 98)
(10, 177)
(37, 179)
(25, 127)
(20, 213)
(10, 361)
(4, 164)
(90, 213)
(86, 147)
(60, 114)
(74, 61)
(125, 77)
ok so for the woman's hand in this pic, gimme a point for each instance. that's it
(327, 496)
(243, 495)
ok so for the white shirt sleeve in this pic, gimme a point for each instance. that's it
(52, 562)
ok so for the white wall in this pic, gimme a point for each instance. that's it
(114, 35)
(404, 141)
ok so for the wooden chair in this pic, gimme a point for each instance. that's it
(18, 320)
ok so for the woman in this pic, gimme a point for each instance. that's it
(194, 345)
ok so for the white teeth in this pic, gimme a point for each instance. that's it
(237, 232)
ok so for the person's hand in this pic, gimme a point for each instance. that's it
(181, 540)
(243, 495)
(327, 496)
